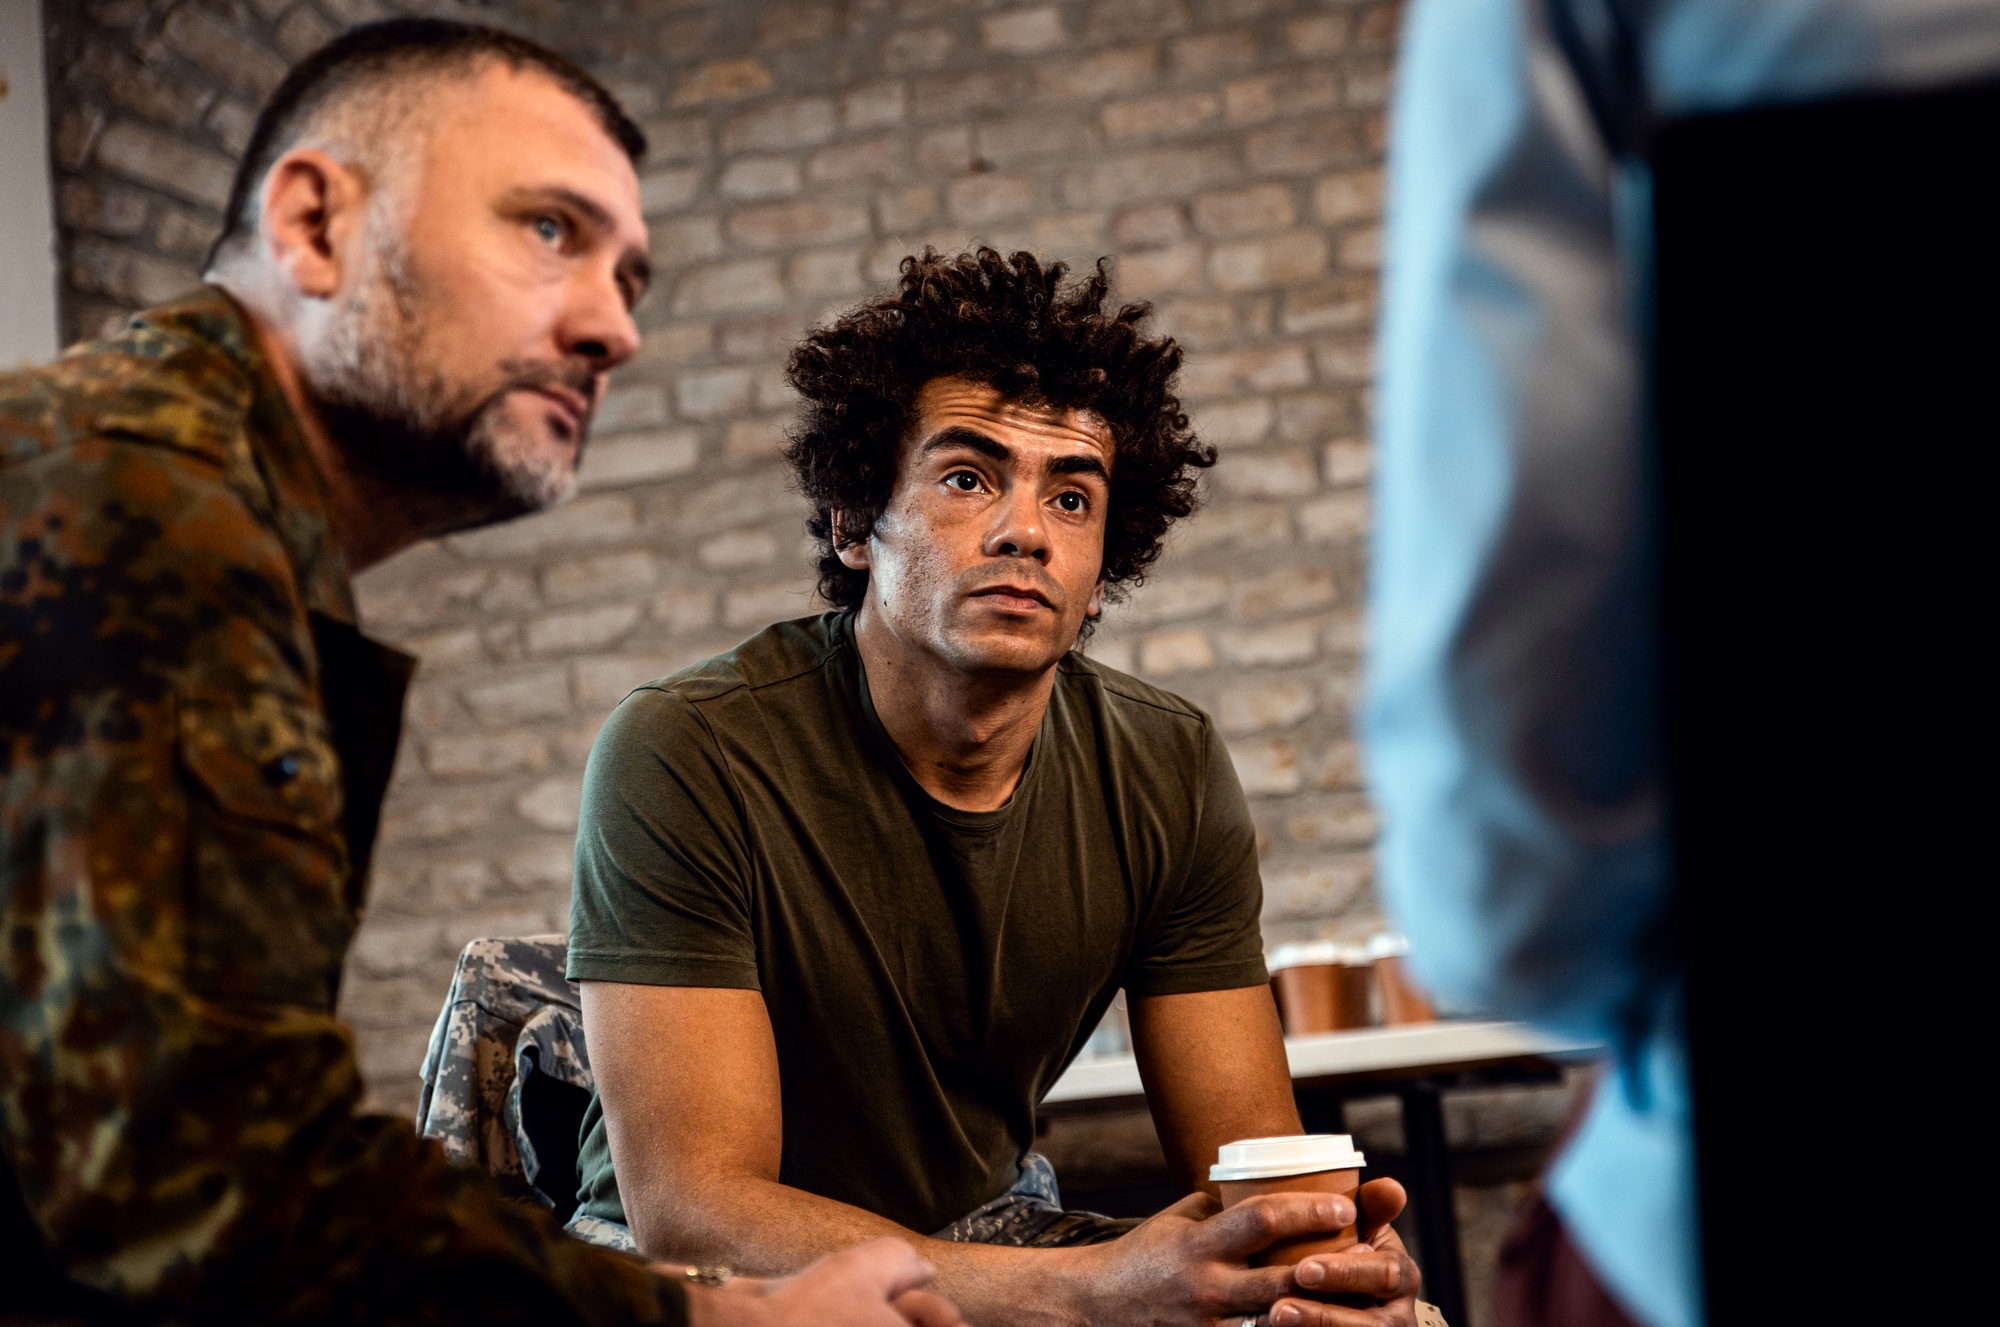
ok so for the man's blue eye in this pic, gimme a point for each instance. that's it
(548, 228)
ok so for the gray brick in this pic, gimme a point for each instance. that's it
(669, 189)
(725, 287)
(624, 408)
(1337, 516)
(917, 48)
(480, 755)
(712, 393)
(608, 574)
(543, 862)
(1098, 74)
(1272, 261)
(1319, 34)
(1255, 707)
(1316, 889)
(222, 50)
(983, 198)
(809, 221)
(1283, 645)
(1287, 472)
(1135, 18)
(439, 818)
(1171, 598)
(1151, 224)
(231, 122)
(757, 606)
(824, 272)
(874, 106)
(607, 679)
(1181, 650)
(796, 122)
(148, 156)
(1267, 767)
(542, 694)
(1346, 462)
(901, 209)
(638, 458)
(678, 138)
(105, 209)
(127, 275)
(580, 631)
(736, 549)
(552, 804)
(1288, 592)
(1023, 31)
(723, 81)
(1166, 115)
(1285, 92)
(1213, 53)
(990, 93)
(862, 161)
(1303, 147)
(587, 520)
(1152, 174)
(1151, 273)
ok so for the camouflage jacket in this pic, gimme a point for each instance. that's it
(194, 743)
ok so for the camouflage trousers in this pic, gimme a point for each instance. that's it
(1029, 1215)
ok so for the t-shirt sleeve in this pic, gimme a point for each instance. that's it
(662, 893)
(1209, 938)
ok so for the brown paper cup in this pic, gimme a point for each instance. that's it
(1291, 1251)
(1322, 997)
(1403, 1001)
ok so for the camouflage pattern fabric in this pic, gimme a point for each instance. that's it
(1030, 1215)
(511, 1013)
(194, 742)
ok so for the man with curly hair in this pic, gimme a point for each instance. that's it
(850, 897)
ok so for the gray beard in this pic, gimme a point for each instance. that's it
(436, 449)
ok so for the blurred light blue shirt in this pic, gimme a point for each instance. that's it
(1511, 710)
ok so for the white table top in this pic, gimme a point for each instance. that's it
(1413, 1046)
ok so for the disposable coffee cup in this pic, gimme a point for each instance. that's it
(1303, 1163)
(1321, 987)
(1403, 1001)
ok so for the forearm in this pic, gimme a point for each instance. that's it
(763, 1228)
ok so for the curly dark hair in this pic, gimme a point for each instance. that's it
(1020, 328)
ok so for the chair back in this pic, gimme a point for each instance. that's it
(507, 1076)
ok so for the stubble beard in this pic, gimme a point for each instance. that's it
(447, 451)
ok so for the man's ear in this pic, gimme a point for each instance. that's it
(853, 556)
(311, 205)
(1095, 608)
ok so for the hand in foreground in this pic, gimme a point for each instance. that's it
(1190, 1264)
(877, 1284)
(1376, 1269)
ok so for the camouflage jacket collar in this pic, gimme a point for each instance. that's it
(208, 323)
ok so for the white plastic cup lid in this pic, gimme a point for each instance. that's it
(1273, 1158)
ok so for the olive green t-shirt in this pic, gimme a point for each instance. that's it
(929, 972)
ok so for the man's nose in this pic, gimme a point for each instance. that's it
(1017, 530)
(598, 327)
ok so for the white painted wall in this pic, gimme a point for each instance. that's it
(27, 221)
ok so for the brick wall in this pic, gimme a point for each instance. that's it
(1225, 151)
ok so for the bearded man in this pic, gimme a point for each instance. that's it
(429, 263)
